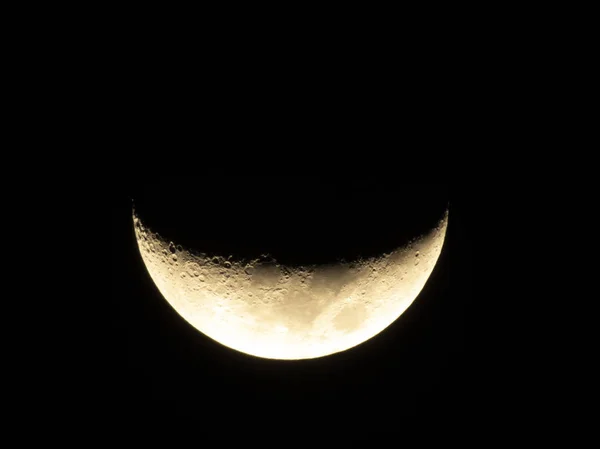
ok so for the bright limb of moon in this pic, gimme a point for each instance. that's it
(272, 311)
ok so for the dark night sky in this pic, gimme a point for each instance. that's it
(419, 365)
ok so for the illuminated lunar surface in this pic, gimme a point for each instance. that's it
(272, 311)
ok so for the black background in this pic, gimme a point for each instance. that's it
(419, 365)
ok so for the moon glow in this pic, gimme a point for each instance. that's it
(266, 309)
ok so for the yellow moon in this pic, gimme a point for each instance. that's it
(268, 310)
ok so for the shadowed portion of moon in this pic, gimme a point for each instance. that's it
(297, 220)
(264, 307)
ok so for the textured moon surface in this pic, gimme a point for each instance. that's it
(269, 310)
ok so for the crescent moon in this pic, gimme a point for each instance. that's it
(268, 310)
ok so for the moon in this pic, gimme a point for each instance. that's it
(269, 310)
